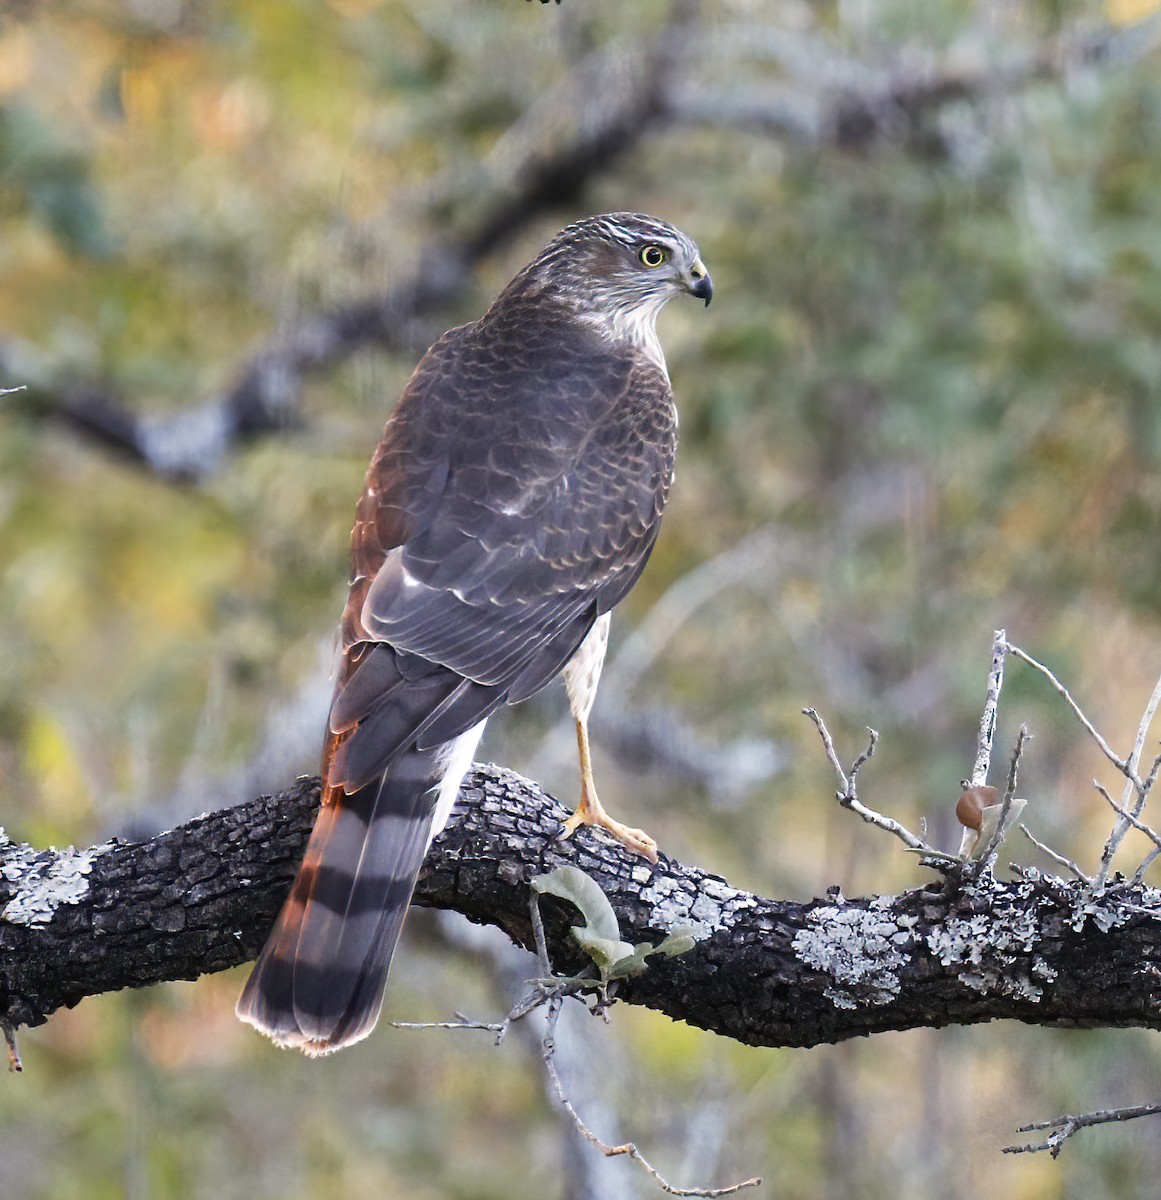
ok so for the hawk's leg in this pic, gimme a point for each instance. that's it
(581, 676)
(590, 811)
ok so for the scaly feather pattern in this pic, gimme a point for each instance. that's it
(514, 499)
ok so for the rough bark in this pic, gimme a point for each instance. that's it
(200, 898)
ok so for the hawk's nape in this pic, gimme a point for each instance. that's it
(513, 501)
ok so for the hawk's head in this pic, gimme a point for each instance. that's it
(616, 271)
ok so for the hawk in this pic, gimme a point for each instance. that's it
(513, 501)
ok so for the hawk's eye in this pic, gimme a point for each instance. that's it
(653, 256)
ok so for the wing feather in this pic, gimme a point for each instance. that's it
(513, 499)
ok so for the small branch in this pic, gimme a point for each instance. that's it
(529, 179)
(1142, 734)
(1146, 863)
(1136, 791)
(1067, 1125)
(1128, 817)
(14, 1063)
(987, 860)
(548, 1053)
(848, 795)
(1059, 859)
(538, 933)
(460, 1022)
(550, 993)
(987, 732)
(1120, 763)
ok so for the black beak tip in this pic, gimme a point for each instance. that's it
(703, 289)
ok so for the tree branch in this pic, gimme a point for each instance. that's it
(625, 94)
(201, 897)
(526, 180)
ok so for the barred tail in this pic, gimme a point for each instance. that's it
(318, 984)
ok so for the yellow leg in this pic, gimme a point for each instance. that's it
(590, 812)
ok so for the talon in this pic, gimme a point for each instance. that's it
(590, 812)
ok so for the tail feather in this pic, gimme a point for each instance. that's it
(318, 984)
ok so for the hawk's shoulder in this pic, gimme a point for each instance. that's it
(517, 492)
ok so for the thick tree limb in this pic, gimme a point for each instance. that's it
(200, 898)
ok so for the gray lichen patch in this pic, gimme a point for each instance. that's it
(704, 912)
(1105, 912)
(993, 952)
(41, 881)
(861, 949)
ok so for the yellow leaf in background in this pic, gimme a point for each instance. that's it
(16, 59)
(1126, 12)
(141, 93)
(63, 798)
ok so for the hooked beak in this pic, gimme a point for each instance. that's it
(700, 284)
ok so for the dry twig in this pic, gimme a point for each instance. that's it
(987, 732)
(1137, 789)
(847, 796)
(550, 993)
(1134, 785)
(14, 1063)
(626, 1148)
(1059, 859)
(987, 860)
(1067, 1125)
(1128, 817)
(1120, 763)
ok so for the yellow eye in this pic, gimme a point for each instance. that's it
(653, 256)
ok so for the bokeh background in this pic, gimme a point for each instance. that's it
(924, 404)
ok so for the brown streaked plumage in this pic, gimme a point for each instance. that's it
(513, 501)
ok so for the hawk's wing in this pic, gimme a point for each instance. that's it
(515, 496)
(510, 503)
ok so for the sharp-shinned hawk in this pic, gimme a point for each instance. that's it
(513, 501)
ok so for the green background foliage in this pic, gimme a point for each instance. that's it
(930, 378)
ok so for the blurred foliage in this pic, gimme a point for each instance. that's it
(932, 369)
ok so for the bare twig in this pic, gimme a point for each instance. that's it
(1059, 859)
(1067, 1125)
(848, 795)
(531, 178)
(538, 933)
(625, 1148)
(1136, 790)
(1120, 763)
(550, 992)
(1146, 863)
(14, 1063)
(460, 1022)
(1139, 744)
(1128, 817)
(987, 860)
(987, 732)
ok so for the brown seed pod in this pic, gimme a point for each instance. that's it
(970, 806)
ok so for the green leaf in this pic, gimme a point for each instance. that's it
(600, 936)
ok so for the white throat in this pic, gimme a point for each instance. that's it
(635, 326)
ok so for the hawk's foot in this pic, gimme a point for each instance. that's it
(591, 812)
